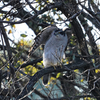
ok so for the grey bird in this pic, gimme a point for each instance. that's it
(55, 41)
(42, 37)
(54, 51)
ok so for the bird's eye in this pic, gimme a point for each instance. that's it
(58, 31)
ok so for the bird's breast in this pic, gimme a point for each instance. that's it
(52, 56)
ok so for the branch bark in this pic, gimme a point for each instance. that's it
(29, 87)
(9, 51)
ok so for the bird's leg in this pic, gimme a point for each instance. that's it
(57, 65)
(61, 63)
(54, 66)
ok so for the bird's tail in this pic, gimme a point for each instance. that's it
(46, 79)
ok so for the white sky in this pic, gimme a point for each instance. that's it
(24, 29)
(16, 33)
(21, 29)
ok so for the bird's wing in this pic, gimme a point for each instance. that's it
(42, 37)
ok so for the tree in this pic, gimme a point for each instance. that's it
(20, 76)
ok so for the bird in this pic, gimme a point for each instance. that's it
(55, 42)
(54, 51)
(42, 37)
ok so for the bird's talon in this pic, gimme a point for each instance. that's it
(54, 67)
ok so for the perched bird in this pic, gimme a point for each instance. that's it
(54, 51)
(55, 41)
(42, 37)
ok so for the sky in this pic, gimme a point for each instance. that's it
(21, 29)
(24, 29)
(18, 30)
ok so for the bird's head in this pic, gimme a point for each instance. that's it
(59, 32)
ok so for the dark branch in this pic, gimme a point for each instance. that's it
(30, 63)
(39, 74)
(49, 7)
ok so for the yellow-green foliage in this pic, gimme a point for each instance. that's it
(23, 42)
(30, 70)
(89, 98)
(40, 63)
(58, 75)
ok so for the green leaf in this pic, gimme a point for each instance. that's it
(23, 35)
(58, 75)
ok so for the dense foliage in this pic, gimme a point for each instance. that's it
(21, 75)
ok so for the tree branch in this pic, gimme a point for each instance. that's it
(9, 51)
(30, 63)
(39, 74)
(48, 7)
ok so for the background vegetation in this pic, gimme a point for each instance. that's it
(21, 76)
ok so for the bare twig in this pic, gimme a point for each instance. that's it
(49, 7)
